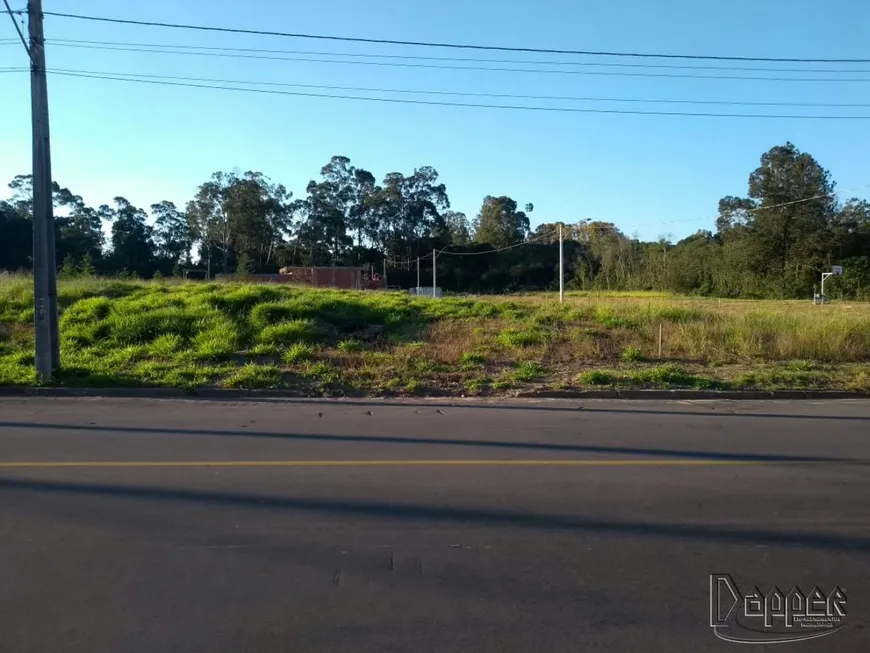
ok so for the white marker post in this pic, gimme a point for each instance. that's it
(434, 272)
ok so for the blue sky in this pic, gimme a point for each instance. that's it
(651, 175)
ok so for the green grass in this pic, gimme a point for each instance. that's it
(519, 338)
(631, 354)
(660, 376)
(413, 387)
(252, 375)
(478, 384)
(471, 360)
(289, 332)
(189, 335)
(595, 377)
(166, 346)
(298, 353)
(528, 371)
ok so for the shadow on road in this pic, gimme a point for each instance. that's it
(497, 444)
(586, 407)
(423, 513)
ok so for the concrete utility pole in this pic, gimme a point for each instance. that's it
(44, 265)
(418, 276)
(561, 269)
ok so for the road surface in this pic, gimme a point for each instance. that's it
(274, 526)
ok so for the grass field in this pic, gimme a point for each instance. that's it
(328, 342)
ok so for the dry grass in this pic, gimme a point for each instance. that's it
(325, 342)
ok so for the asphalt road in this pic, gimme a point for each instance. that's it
(273, 526)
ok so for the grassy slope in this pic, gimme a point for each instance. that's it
(330, 342)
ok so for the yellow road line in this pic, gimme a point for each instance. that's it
(630, 462)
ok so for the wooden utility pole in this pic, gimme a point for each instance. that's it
(44, 265)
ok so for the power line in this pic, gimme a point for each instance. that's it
(603, 228)
(758, 209)
(223, 49)
(463, 94)
(528, 241)
(462, 104)
(548, 71)
(236, 30)
(17, 26)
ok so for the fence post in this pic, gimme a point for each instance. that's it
(661, 333)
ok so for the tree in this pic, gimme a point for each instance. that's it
(337, 208)
(78, 227)
(772, 243)
(360, 217)
(260, 215)
(22, 195)
(207, 218)
(240, 214)
(499, 224)
(326, 224)
(87, 267)
(406, 211)
(457, 228)
(16, 242)
(784, 225)
(172, 234)
(132, 247)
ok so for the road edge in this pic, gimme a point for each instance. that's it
(628, 394)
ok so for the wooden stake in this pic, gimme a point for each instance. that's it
(661, 333)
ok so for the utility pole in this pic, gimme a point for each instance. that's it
(418, 276)
(47, 354)
(561, 268)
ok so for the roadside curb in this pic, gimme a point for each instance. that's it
(221, 393)
(697, 394)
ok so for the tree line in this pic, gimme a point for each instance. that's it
(775, 242)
